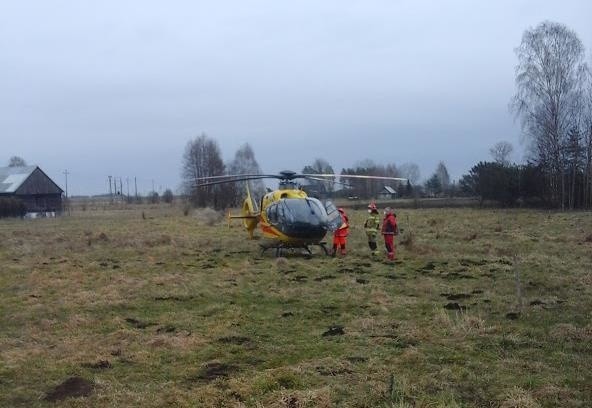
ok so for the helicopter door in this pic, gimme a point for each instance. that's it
(333, 216)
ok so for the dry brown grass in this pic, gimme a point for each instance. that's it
(207, 216)
(519, 398)
(569, 332)
(143, 310)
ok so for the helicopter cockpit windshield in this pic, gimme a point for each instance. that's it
(299, 217)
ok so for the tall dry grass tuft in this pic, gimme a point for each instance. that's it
(519, 398)
(463, 324)
(207, 216)
(281, 263)
(407, 240)
(569, 332)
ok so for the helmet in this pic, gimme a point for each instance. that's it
(388, 210)
(372, 206)
(340, 210)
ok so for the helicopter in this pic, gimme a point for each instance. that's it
(287, 216)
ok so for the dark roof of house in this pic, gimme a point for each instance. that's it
(11, 178)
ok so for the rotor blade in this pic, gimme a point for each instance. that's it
(236, 175)
(360, 177)
(325, 180)
(212, 183)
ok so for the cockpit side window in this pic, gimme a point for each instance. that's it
(272, 215)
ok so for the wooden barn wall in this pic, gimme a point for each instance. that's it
(42, 202)
(38, 183)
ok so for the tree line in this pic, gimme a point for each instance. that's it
(553, 102)
(202, 158)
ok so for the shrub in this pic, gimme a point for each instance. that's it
(153, 197)
(167, 196)
(12, 207)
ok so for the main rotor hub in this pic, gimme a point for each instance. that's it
(287, 174)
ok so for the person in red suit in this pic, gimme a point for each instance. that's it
(389, 230)
(340, 235)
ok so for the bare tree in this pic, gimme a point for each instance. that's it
(244, 162)
(368, 188)
(549, 81)
(587, 141)
(501, 151)
(202, 159)
(411, 172)
(321, 166)
(443, 176)
(16, 161)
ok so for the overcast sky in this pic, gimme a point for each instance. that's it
(118, 87)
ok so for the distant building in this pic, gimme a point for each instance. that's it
(387, 193)
(33, 187)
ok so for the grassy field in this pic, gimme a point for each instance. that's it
(153, 308)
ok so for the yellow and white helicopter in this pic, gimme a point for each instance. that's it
(288, 217)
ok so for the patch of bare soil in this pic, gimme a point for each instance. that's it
(356, 359)
(324, 277)
(470, 262)
(327, 371)
(212, 370)
(335, 330)
(430, 266)
(174, 298)
(454, 306)
(138, 324)
(167, 328)
(455, 296)
(73, 387)
(99, 365)
(238, 340)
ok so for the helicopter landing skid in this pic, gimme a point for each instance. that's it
(281, 246)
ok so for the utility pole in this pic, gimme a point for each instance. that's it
(110, 190)
(136, 187)
(120, 188)
(153, 185)
(127, 184)
(66, 174)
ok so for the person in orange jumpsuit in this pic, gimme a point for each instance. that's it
(389, 230)
(340, 235)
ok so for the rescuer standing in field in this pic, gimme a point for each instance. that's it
(371, 226)
(389, 230)
(340, 236)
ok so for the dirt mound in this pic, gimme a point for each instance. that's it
(138, 324)
(72, 387)
(455, 296)
(454, 306)
(325, 277)
(334, 331)
(212, 370)
(99, 365)
(239, 340)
